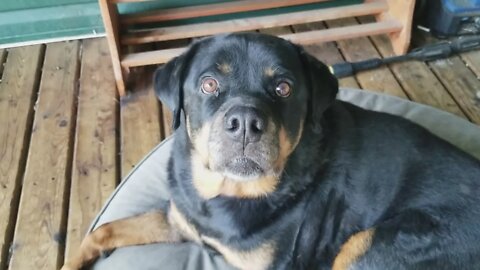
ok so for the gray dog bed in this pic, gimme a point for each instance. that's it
(145, 188)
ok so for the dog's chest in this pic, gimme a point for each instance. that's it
(258, 258)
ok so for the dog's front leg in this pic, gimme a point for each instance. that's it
(139, 230)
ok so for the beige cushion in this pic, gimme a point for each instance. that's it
(145, 188)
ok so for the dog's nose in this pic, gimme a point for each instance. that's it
(245, 124)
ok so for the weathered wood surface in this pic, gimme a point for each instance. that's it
(94, 171)
(417, 79)
(140, 122)
(462, 84)
(17, 95)
(381, 79)
(40, 228)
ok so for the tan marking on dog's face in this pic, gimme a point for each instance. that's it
(259, 258)
(353, 249)
(225, 68)
(178, 221)
(251, 189)
(200, 143)
(206, 182)
(269, 71)
(286, 146)
(211, 184)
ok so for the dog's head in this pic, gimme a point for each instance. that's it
(246, 100)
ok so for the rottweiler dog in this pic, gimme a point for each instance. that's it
(273, 172)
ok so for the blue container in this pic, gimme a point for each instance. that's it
(448, 17)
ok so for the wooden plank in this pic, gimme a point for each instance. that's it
(262, 22)
(416, 78)
(316, 36)
(276, 31)
(50, 40)
(94, 173)
(150, 57)
(380, 80)
(326, 52)
(110, 21)
(41, 218)
(140, 122)
(3, 56)
(345, 32)
(210, 10)
(166, 121)
(472, 60)
(17, 94)
(462, 84)
(401, 11)
(463, 88)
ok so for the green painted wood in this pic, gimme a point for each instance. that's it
(334, 3)
(128, 8)
(50, 22)
(27, 20)
(10, 5)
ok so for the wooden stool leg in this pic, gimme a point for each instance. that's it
(110, 20)
(401, 11)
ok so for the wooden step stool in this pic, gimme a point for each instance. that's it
(393, 17)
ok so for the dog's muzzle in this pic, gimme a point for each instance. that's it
(244, 124)
(243, 140)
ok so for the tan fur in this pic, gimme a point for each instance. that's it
(200, 143)
(178, 221)
(139, 230)
(269, 71)
(286, 146)
(210, 184)
(156, 228)
(225, 68)
(259, 258)
(353, 249)
(251, 189)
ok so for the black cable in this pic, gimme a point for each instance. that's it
(427, 53)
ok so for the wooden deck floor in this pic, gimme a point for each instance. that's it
(66, 139)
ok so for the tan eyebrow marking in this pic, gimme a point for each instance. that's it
(225, 68)
(270, 71)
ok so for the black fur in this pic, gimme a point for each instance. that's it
(352, 170)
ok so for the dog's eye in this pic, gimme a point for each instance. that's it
(209, 85)
(283, 89)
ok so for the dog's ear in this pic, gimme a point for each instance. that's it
(323, 87)
(167, 81)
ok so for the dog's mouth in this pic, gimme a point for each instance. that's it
(243, 168)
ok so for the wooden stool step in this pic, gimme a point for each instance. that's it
(248, 24)
(305, 38)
